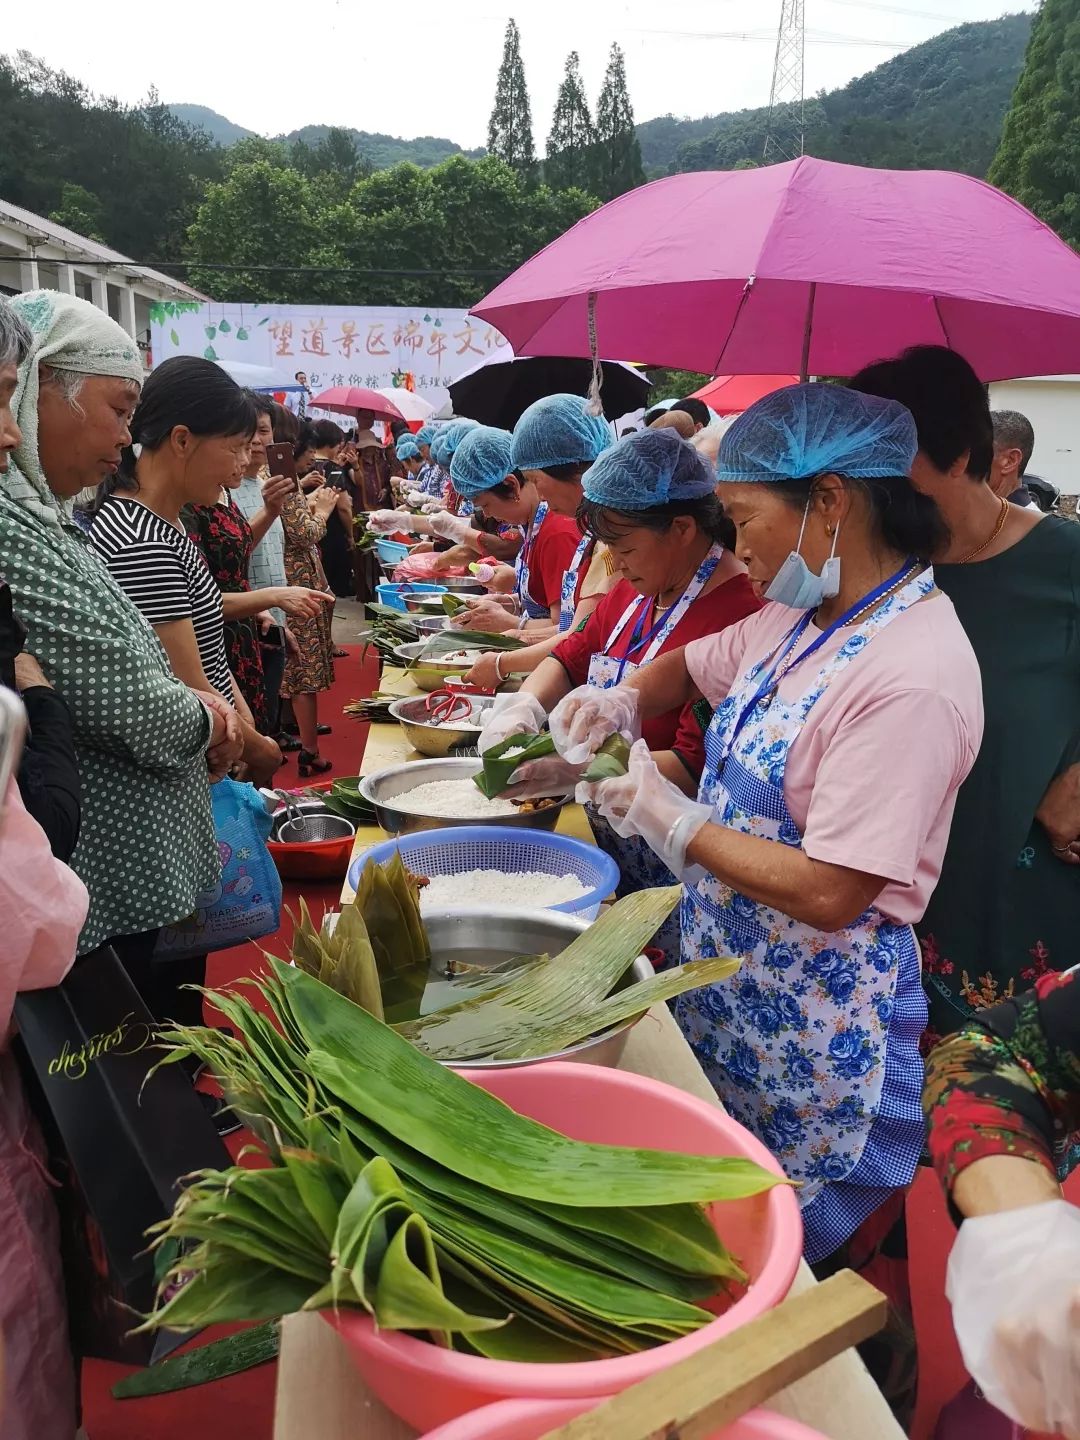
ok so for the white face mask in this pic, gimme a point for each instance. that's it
(796, 585)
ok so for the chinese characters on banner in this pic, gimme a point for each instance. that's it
(333, 344)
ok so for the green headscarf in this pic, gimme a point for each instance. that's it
(68, 334)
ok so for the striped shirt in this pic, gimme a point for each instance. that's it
(165, 576)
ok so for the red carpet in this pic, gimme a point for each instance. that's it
(243, 1405)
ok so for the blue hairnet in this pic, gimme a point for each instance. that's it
(407, 449)
(648, 468)
(481, 460)
(425, 435)
(558, 431)
(816, 429)
(439, 452)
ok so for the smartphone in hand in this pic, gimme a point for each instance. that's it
(281, 461)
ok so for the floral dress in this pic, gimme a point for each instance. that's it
(223, 535)
(1008, 1083)
(312, 669)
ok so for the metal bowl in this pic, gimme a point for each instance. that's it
(438, 740)
(430, 674)
(424, 604)
(381, 788)
(501, 932)
(463, 585)
(428, 624)
(315, 829)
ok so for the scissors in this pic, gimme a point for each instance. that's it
(452, 702)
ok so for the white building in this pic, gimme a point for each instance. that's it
(35, 254)
(1052, 404)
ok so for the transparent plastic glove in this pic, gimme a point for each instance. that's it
(415, 497)
(431, 507)
(588, 716)
(539, 778)
(520, 714)
(1014, 1285)
(385, 522)
(643, 802)
(452, 527)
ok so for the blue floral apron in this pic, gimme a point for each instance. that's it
(529, 607)
(639, 867)
(568, 596)
(814, 1044)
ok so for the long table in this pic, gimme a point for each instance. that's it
(320, 1395)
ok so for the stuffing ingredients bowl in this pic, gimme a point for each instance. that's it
(389, 791)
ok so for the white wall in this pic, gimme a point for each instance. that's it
(1053, 407)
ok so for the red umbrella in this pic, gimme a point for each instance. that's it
(348, 399)
(732, 394)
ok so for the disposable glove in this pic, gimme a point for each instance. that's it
(537, 779)
(588, 716)
(520, 714)
(644, 802)
(1014, 1285)
(385, 522)
(452, 527)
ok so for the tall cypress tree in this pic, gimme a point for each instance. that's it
(510, 136)
(569, 145)
(1038, 160)
(617, 156)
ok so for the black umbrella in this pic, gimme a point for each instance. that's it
(497, 392)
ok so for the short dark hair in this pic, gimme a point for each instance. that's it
(947, 399)
(653, 414)
(695, 408)
(1014, 431)
(907, 520)
(286, 425)
(264, 404)
(608, 524)
(304, 438)
(298, 373)
(326, 433)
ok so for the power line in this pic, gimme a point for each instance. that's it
(275, 269)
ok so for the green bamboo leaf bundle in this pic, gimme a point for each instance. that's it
(444, 642)
(398, 1187)
(499, 763)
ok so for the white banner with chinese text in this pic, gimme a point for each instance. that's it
(331, 344)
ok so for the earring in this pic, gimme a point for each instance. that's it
(830, 530)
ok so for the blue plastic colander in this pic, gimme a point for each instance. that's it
(496, 847)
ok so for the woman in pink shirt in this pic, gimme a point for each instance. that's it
(848, 713)
(44, 905)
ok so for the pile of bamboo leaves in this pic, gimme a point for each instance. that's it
(344, 799)
(389, 628)
(398, 1187)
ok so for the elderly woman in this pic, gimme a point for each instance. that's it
(1005, 911)
(147, 847)
(999, 1095)
(651, 500)
(819, 826)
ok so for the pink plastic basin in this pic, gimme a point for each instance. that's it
(530, 1419)
(427, 1385)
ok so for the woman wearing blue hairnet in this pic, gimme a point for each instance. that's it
(848, 713)
(554, 443)
(652, 500)
(481, 471)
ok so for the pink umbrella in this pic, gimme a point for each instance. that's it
(348, 399)
(807, 267)
(732, 394)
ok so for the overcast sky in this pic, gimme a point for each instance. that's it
(278, 64)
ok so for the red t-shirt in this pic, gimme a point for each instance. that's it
(550, 557)
(676, 729)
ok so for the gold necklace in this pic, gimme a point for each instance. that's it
(1003, 515)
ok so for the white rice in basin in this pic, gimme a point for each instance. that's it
(533, 889)
(460, 799)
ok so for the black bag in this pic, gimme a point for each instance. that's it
(117, 1146)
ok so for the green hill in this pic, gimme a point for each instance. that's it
(938, 105)
(221, 130)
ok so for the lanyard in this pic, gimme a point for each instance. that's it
(525, 554)
(569, 585)
(670, 618)
(795, 634)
